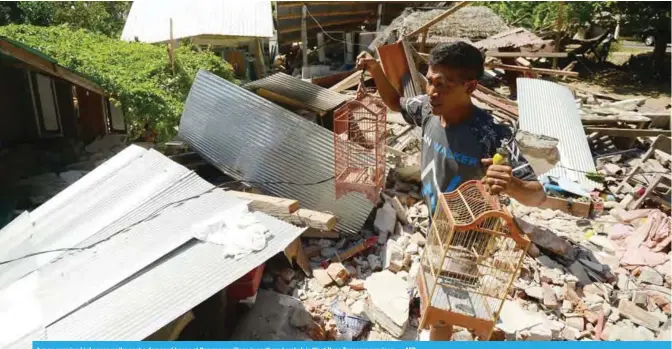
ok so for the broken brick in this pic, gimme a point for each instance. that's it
(338, 273)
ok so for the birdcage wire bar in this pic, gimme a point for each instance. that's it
(359, 147)
(473, 253)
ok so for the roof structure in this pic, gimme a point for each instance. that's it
(16, 51)
(471, 22)
(123, 249)
(257, 140)
(149, 20)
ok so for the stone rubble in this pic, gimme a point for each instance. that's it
(571, 285)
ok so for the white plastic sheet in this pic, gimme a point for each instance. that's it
(236, 229)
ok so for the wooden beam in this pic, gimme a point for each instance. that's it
(320, 234)
(328, 14)
(532, 70)
(498, 54)
(304, 43)
(295, 253)
(349, 82)
(268, 204)
(315, 3)
(324, 25)
(310, 219)
(483, 97)
(48, 67)
(287, 101)
(437, 19)
(627, 132)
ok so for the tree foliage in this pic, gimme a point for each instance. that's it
(136, 74)
(542, 15)
(104, 17)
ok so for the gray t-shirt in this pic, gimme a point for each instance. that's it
(452, 155)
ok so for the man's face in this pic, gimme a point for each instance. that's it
(447, 89)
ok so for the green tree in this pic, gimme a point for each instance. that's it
(644, 15)
(138, 75)
(104, 17)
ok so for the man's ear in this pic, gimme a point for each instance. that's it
(471, 85)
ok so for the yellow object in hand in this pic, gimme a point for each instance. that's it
(498, 159)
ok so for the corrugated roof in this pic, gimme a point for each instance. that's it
(149, 20)
(141, 205)
(251, 138)
(549, 109)
(316, 97)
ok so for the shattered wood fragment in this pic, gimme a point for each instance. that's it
(533, 70)
(268, 204)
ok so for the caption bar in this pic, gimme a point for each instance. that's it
(336, 345)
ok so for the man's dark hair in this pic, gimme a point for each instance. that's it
(460, 56)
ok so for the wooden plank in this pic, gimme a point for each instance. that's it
(627, 132)
(320, 234)
(513, 110)
(349, 82)
(437, 19)
(309, 218)
(295, 252)
(315, 3)
(287, 101)
(324, 25)
(328, 14)
(497, 54)
(575, 208)
(268, 204)
(532, 70)
(304, 43)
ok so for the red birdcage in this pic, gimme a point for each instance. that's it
(359, 145)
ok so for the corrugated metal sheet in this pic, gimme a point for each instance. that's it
(177, 283)
(141, 205)
(251, 138)
(549, 109)
(149, 20)
(317, 97)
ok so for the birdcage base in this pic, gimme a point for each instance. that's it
(356, 180)
(457, 308)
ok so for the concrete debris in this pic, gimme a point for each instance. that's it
(650, 276)
(393, 256)
(638, 315)
(322, 277)
(418, 239)
(540, 151)
(388, 302)
(338, 273)
(386, 219)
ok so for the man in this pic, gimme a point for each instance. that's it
(458, 138)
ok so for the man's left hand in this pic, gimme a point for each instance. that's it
(497, 177)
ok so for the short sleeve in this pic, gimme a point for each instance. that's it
(412, 109)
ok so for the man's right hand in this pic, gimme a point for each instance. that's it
(366, 62)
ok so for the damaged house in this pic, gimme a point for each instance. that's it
(49, 113)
